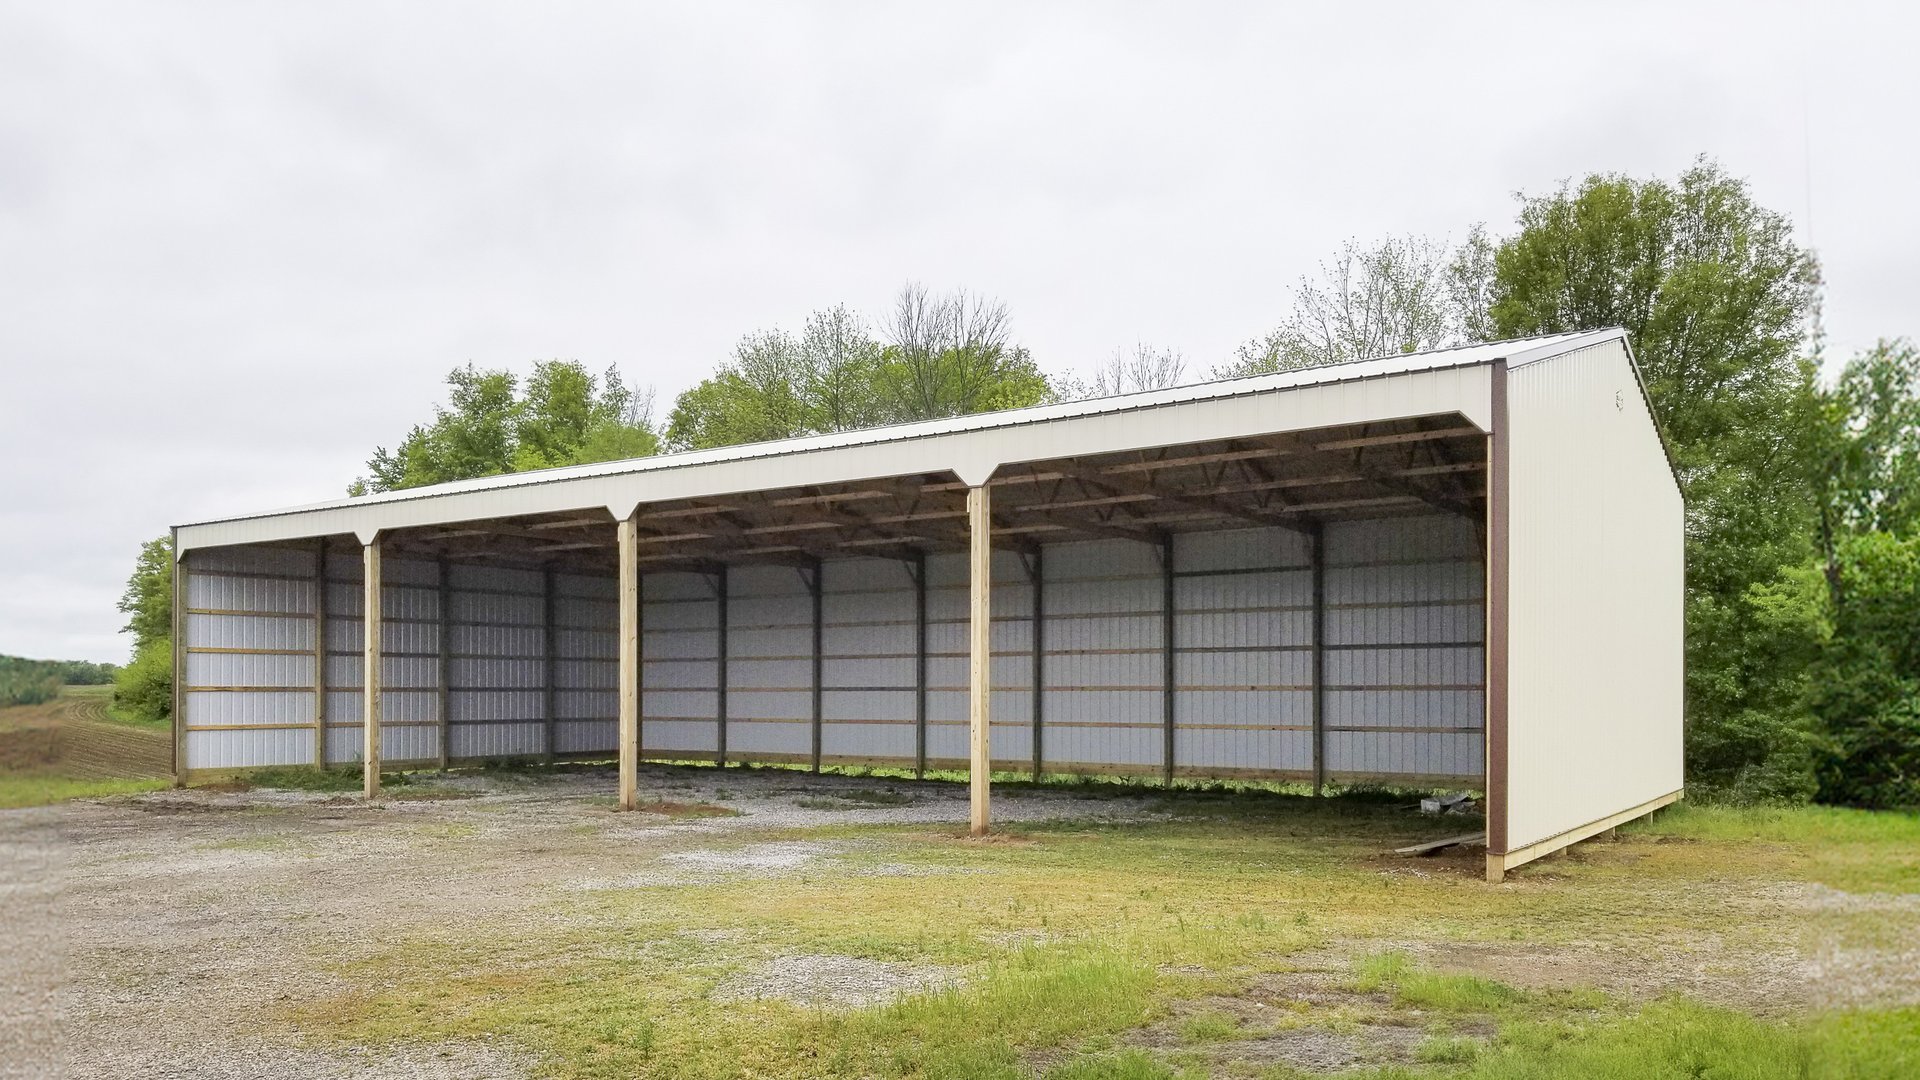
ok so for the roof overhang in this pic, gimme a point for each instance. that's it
(971, 449)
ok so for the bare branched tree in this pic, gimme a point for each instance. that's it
(1144, 367)
(918, 331)
(954, 354)
(1405, 294)
(1469, 279)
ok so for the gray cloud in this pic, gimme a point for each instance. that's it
(240, 246)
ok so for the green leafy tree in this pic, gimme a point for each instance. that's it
(1842, 625)
(28, 682)
(839, 373)
(1864, 453)
(1865, 690)
(948, 355)
(145, 686)
(147, 601)
(565, 416)
(1715, 297)
(756, 396)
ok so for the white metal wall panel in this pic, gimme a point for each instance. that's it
(587, 641)
(769, 673)
(1596, 585)
(257, 749)
(679, 687)
(409, 665)
(1010, 738)
(1104, 666)
(247, 698)
(1404, 658)
(867, 667)
(1243, 636)
(496, 661)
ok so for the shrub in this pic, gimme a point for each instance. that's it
(144, 688)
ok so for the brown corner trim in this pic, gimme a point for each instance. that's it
(1498, 493)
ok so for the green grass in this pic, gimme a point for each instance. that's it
(334, 778)
(102, 697)
(1855, 850)
(1209, 1026)
(1074, 935)
(17, 790)
(1677, 1040)
(1394, 973)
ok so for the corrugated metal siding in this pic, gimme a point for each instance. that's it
(1103, 666)
(586, 632)
(679, 681)
(1596, 584)
(769, 666)
(253, 706)
(1010, 737)
(1403, 661)
(409, 666)
(868, 669)
(1243, 637)
(1405, 666)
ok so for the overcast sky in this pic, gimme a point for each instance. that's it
(240, 245)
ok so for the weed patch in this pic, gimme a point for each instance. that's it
(20, 791)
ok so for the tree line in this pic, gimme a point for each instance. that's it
(1803, 492)
(30, 682)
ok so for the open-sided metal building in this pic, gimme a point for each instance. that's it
(1460, 568)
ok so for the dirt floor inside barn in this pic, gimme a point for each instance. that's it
(768, 923)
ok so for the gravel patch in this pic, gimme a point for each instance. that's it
(431, 1061)
(753, 857)
(835, 982)
(165, 934)
(32, 961)
(1323, 1050)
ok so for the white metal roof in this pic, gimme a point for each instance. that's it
(970, 446)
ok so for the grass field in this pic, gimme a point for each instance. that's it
(77, 746)
(1241, 938)
(758, 923)
(763, 923)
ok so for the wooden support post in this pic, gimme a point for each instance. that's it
(720, 668)
(182, 763)
(980, 652)
(1037, 570)
(919, 570)
(629, 662)
(1169, 674)
(550, 682)
(814, 588)
(1317, 541)
(443, 682)
(370, 692)
(320, 655)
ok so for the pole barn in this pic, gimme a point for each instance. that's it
(1459, 568)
